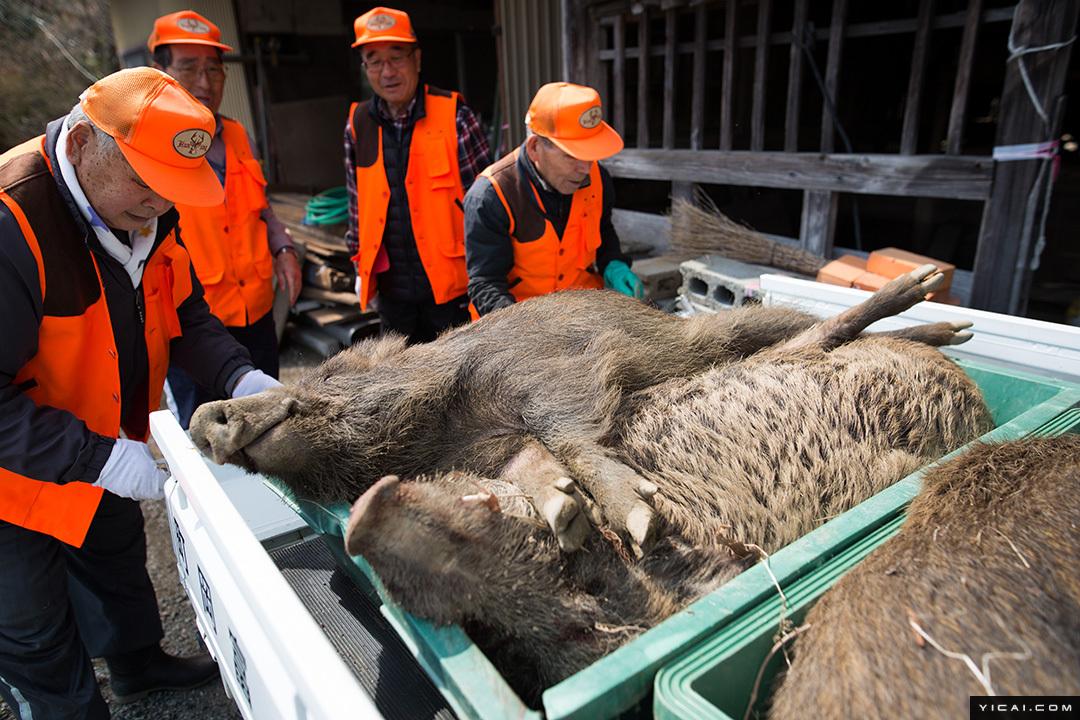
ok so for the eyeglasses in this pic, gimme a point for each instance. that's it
(395, 62)
(190, 73)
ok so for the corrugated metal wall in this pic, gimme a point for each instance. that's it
(530, 54)
(132, 21)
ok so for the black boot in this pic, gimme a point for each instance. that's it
(134, 675)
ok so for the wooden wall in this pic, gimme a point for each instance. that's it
(606, 41)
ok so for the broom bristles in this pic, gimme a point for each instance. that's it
(699, 228)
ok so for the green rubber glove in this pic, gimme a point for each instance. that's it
(619, 277)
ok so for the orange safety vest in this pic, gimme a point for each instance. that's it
(76, 366)
(228, 243)
(544, 262)
(433, 185)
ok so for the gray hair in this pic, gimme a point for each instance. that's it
(106, 142)
(543, 140)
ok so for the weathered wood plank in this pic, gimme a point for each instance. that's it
(728, 80)
(958, 112)
(946, 176)
(618, 75)
(669, 79)
(869, 29)
(818, 223)
(909, 136)
(697, 106)
(832, 73)
(643, 81)
(761, 66)
(794, 89)
(1006, 238)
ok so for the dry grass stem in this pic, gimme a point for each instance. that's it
(781, 643)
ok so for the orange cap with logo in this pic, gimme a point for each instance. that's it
(161, 129)
(186, 27)
(570, 116)
(383, 24)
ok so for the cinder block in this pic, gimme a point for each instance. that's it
(660, 275)
(715, 282)
(842, 271)
(894, 262)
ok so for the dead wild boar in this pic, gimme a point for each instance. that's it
(555, 370)
(759, 451)
(985, 569)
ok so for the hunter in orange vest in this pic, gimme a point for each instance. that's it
(541, 219)
(96, 295)
(237, 247)
(411, 152)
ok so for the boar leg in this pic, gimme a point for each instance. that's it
(898, 295)
(623, 497)
(540, 476)
(933, 334)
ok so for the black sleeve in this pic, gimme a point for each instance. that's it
(205, 349)
(489, 253)
(39, 442)
(610, 247)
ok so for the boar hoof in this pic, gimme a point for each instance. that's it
(960, 333)
(640, 524)
(566, 512)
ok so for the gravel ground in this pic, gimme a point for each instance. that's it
(181, 635)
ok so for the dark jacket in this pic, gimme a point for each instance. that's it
(51, 444)
(489, 251)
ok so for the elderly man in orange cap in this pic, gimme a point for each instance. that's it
(96, 295)
(539, 220)
(238, 246)
(410, 154)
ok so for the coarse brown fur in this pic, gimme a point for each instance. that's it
(986, 566)
(556, 370)
(760, 451)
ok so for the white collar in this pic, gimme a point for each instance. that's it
(133, 257)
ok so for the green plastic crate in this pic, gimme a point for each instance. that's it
(719, 677)
(622, 682)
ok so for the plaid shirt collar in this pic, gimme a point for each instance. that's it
(413, 112)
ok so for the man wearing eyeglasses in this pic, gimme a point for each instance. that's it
(410, 154)
(237, 247)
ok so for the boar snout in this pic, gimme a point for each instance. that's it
(223, 429)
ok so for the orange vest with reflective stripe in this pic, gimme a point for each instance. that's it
(544, 262)
(228, 243)
(433, 186)
(76, 367)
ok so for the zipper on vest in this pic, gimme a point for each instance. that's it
(140, 305)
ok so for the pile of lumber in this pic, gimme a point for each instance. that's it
(327, 317)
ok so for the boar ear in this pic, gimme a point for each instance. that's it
(364, 512)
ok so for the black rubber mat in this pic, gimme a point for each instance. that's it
(352, 622)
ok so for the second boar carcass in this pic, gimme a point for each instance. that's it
(555, 371)
(978, 594)
(754, 453)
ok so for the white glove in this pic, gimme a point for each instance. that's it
(132, 472)
(253, 382)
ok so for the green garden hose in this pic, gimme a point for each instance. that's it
(329, 207)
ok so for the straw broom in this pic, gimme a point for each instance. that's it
(699, 228)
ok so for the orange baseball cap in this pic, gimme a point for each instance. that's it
(570, 116)
(161, 129)
(186, 27)
(383, 24)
